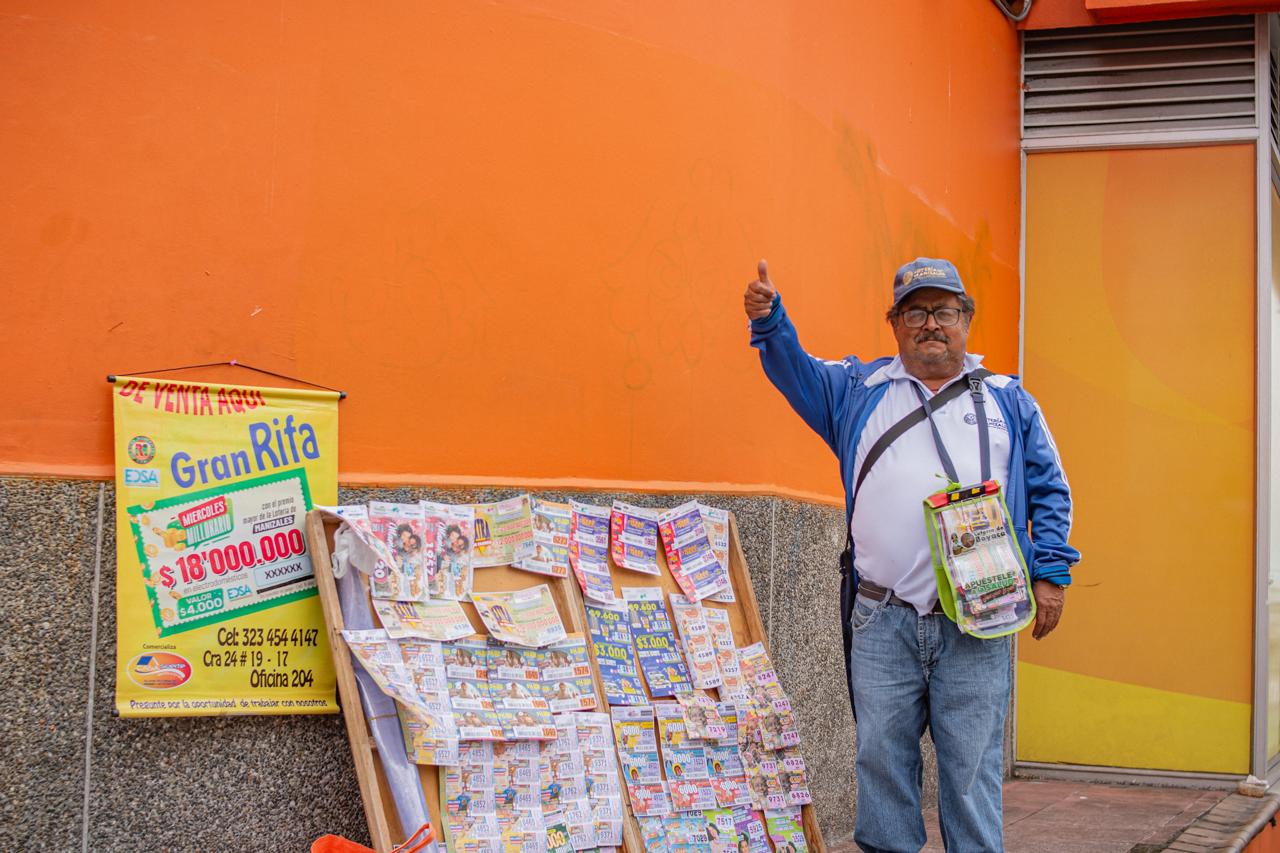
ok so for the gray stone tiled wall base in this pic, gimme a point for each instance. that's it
(47, 536)
(277, 783)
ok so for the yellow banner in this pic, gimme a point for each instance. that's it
(216, 603)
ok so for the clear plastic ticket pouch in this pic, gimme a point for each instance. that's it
(983, 582)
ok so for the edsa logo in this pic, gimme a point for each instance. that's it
(159, 670)
(142, 478)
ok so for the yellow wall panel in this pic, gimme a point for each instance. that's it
(1141, 726)
(1139, 330)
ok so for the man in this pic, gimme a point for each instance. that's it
(911, 666)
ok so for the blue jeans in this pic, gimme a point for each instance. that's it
(910, 671)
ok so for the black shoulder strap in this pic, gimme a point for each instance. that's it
(955, 389)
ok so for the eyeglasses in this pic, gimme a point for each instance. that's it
(914, 318)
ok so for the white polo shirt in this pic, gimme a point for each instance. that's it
(890, 542)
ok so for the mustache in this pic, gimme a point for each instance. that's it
(931, 336)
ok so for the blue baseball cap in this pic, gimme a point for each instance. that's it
(926, 272)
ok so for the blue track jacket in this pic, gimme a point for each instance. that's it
(836, 398)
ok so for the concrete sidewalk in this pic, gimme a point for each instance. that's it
(1077, 817)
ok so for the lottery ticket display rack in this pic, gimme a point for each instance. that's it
(379, 806)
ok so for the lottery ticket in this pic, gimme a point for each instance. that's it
(653, 834)
(683, 760)
(701, 716)
(785, 831)
(470, 806)
(660, 659)
(636, 740)
(750, 825)
(604, 791)
(516, 692)
(778, 720)
(633, 537)
(794, 776)
(454, 538)
(565, 794)
(380, 657)
(698, 642)
(526, 617)
(503, 532)
(610, 629)
(733, 688)
(518, 775)
(566, 675)
(437, 619)
(690, 557)
(467, 671)
(431, 732)
(728, 776)
(550, 552)
(716, 521)
(687, 833)
(722, 832)
(589, 551)
(403, 529)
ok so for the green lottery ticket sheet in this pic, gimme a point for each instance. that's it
(786, 831)
(467, 670)
(516, 693)
(565, 675)
(431, 733)
(565, 794)
(722, 832)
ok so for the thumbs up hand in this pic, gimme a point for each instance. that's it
(758, 300)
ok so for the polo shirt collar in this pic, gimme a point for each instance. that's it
(896, 370)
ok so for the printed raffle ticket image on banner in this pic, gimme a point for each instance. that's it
(217, 610)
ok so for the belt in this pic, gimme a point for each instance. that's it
(875, 592)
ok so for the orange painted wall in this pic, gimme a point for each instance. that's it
(515, 232)
(1140, 346)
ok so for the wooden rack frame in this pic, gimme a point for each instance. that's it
(379, 806)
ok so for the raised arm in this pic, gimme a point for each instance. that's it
(815, 388)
